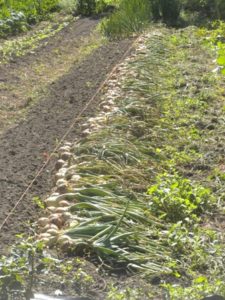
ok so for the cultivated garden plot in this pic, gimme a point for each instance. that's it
(70, 67)
(142, 192)
(130, 203)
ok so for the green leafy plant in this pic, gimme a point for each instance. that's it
(178, 199)
(131, 16)
(17, 271)
(68, 6)
(86, 7)
(90, 7)
(37, 200)
(16, 22)
(170, 10)
(17, 16)
(21, 45)
(200, 287)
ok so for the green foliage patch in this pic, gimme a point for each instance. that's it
(178, 199)
(21, 45)
(17, 16)
(131, 16)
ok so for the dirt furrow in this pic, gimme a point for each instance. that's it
(24, 148)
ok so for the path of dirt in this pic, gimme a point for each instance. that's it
(24, 147)
(26, 77)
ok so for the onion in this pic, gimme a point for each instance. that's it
(64, 149)
(51, 201)
(51, 209)
(75, 178)
(62, 209)
(86, 131)
(64, 203)
(74, 223)
(65, 242)
(54, 216)
(53, 226)
(44, 229)
(59, 164)
(106, 107)
(54, 201)
(44, 236)
(49, 226)
(62, 188)
(43, 222)
(63, 238)
(56, 219)
(53, 232)
(52, 241)
(61, 173)
(61, 181)
(68, 144)
(66, 216)
(66, 155)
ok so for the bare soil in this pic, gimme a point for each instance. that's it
(25, 145)
(25, 78)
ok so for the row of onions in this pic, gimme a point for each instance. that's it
(99, 205)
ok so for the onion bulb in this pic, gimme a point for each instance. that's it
(53, 232)
(42, 222)
(56, 219)
(51, 201)
(62, 189)
(62, 209)
(65, 242)
(66, 155)
(43, 236)
(66, 216)
(64, 203)
(61, 181)
(49, 226)
(64, 149)
(59, 164)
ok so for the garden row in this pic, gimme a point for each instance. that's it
(19, 16)
(144, 190)
(129, 15)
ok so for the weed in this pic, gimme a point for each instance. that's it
(18, 270)
(174, 198)
(199, 288)
(38, 202)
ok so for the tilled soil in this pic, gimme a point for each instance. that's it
(25, 147)
(25, 77)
